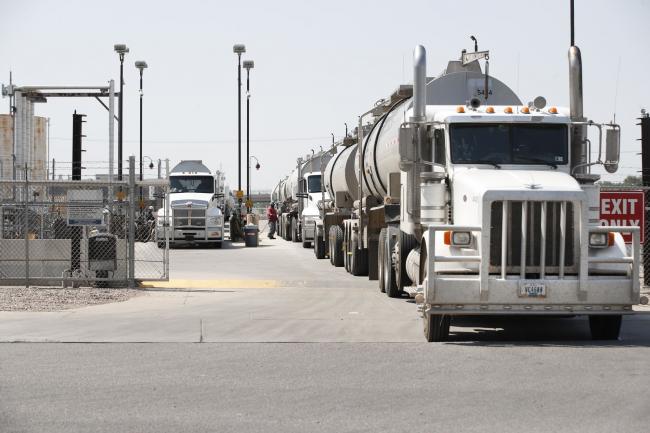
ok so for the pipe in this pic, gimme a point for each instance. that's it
(578, 132)
(419, 83)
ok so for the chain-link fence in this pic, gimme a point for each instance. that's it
(81, 232)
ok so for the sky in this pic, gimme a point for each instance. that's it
(318, 65)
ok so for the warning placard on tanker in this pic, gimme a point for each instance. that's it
(85, 207)
(622, 208)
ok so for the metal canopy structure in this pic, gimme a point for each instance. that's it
(23, 112)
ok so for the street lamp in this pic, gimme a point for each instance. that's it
(257, 167)
(239, 49)
(248, 65)
(141, 65)
(121, 50)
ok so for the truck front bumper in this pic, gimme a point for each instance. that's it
(486, 293)
(192, 236)
(461, 295)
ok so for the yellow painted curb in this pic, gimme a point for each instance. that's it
(211, 284)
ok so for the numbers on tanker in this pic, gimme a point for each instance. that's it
(481, 92)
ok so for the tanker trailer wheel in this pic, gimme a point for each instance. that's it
(436, 327)
(336, 246)
(606, 327)
(380, 259)
(390, 280)
(319, 247)
(287, 229)
(406, 243)
(358, 258)
(295, 233)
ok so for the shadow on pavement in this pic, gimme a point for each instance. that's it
(542, 332)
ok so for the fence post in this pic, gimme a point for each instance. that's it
(132, 204)
(26, 226)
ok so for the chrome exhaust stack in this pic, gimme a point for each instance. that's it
(419, 84)
(579, 157)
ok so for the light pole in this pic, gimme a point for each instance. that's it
(248, 64)
(121, 50)
(141, 65)
(257, 167)
(239, 49)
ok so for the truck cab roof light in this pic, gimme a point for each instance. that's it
(460, 109)
(507, 110)
(489, 110)
(525, 110)
(552, 110)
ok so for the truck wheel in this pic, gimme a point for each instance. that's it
(606, 327)
(436, 327)
(336, 246)
(306, 244)
(295, 233)
(380, 259)
(319, 247)
(358, 260)
(406, 243)
(217, 245)
(287, 230)
(390, 280)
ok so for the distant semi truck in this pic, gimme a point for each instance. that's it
(195, 209)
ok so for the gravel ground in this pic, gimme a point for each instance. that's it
(55, 299)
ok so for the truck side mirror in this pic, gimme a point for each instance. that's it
(406, 147)
(612, 149)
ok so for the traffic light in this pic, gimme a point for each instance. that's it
(77, 120)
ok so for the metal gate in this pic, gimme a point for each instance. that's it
(82, 232)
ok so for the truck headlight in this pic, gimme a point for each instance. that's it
(601, 240)
(460, 239)
(214, 220)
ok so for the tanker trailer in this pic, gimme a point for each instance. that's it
(339, 179)
(304, 193)
(476, 204)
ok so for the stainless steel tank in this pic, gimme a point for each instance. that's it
(340, 176)
(38, 154)
(381, 152)
(6, 146)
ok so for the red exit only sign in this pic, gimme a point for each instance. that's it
(622, 208)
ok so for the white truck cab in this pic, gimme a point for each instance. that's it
(194, 213)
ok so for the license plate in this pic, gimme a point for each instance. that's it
(531, 289)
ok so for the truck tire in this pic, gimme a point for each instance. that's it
(380, 259)
(390, 278)
(217, 245)
(306, 244)
(606, 327)
(436, 327)
(287, 229)
(336, 246)
(295, 233)
(358, 259)
(406, 243)
(319, 247)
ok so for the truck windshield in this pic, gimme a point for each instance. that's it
(504, 143)
(201, 184)
(313, 183)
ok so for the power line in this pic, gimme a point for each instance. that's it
(265, 140)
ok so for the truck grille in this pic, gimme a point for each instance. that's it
(188, 217)
(535, 247)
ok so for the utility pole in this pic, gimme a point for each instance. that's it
(645, 179)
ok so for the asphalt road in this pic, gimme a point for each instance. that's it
(291, 344)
